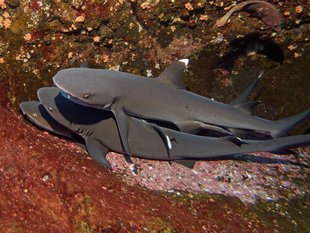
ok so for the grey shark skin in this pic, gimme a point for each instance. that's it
(164, 99)
(99, 129)
(38, 115)
(245, 94)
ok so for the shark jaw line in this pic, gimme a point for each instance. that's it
(81, 102)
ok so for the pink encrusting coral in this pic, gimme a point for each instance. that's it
(252, 177)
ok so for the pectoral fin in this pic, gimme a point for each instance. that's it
(122, 122)
(128, 159)
(98, 152)
(164, 137)
(186, 162)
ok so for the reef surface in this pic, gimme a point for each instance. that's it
(50, 184)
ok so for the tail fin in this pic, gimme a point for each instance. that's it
(280, 144)
(285, 125)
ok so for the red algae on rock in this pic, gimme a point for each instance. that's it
(49, 185)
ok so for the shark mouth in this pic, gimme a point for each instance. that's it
(106, 107)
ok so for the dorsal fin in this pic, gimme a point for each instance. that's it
(173, 74)
(247, 107)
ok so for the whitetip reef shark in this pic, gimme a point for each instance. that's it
(162, 99)
(100, 132)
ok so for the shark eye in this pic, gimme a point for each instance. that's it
(85, 96)
(50, 108)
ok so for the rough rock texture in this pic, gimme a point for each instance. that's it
(258, 176)
(49, 184)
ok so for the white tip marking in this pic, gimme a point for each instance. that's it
(240, 139)
(168, 142)
(260, 75)
(185, 61)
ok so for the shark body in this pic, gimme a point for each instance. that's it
(162, 99)
(100, 132)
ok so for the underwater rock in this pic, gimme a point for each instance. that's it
(13, 3)
(49, 183)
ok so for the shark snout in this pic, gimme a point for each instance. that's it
(57, 79)
(65, 95)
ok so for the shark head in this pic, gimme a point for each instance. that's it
(35, 112)
(87, 87)
(68, 113)
(47, 97)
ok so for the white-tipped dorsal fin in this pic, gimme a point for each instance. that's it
(185, 61)
(173, 74)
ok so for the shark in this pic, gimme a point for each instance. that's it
(163, 98)
(36, 113)
(100, 133)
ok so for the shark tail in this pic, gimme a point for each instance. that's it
(277, 145)
(285, 143)
(285, 125)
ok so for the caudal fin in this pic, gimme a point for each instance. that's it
(285, 143)
(277, 145)
(285, 125)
